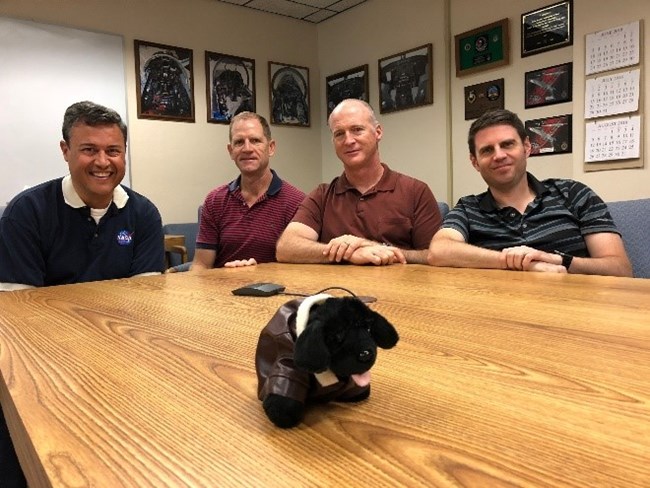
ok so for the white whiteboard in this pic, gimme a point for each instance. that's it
(43, 70)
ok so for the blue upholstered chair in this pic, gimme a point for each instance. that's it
(444, 209)
(2, 209)
(632, 218)
(190, 231)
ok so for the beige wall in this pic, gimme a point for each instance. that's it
(176, 164)
(590, 16)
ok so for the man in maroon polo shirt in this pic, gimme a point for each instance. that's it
(368, 215)
(241, 221)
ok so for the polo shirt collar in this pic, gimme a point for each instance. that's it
(387, 182)
(488, 204)
(73, 199)
(274, 187)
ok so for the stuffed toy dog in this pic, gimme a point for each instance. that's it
(318, 349)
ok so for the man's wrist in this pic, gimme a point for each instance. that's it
(567, 259)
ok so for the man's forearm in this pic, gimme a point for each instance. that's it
(607, 266)
(416, 256)
(300, 250)
(462, 255)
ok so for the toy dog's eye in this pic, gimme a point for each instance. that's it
(339, 337)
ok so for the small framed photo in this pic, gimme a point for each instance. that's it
(482, 97)
(547, 28)
(289, 94)
(352, 83)
(165, 82)
(405, 79)
(550, 85)
(230, 86)
(482, 48)
(550, 135)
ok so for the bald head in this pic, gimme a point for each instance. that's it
(352, 104)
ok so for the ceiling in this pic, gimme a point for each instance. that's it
(313, 11)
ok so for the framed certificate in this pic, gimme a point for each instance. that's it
(482, 48)
(547, 28)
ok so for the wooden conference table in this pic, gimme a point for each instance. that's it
(500, 379)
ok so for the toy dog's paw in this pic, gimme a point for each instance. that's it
(282, 411)
(356, 398)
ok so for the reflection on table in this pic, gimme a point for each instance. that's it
(500, 378)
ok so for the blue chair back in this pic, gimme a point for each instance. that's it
(444, 209)
(190, 231)
(632, 218)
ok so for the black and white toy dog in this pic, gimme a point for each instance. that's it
(318, 349)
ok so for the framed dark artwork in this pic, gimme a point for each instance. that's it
(550, 85)
(547, 28)
(230, 86)
(482, 48)
(405, 79)
(550, 135)
(483, 97)
(165, 82)
(289, 94)
(352, 83)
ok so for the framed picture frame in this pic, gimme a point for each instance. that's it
(406, 79)
(352, 83)
(482, 48)
(482, 97)
(289, 94)
(165, 81)
(230, 86)
(547, 28)
(550, 135)
(548, 86)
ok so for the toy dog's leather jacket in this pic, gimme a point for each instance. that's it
(276, 372)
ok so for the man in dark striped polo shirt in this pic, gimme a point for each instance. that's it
(241, 221)
(521, 223)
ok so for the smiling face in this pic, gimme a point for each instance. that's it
(96, 157)
(500, 156)
(249, 148)
(355, 134)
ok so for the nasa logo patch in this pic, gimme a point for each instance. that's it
(124, 238)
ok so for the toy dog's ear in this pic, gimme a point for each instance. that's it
(383, 332)
(311, 352)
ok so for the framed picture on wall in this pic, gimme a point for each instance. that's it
(289, 94)
(165, 82)
(352, 83)
(550, 135)
(230, 86)
(482, 48)
(482, 97)
(547, 28)
(550, 85)
(405, 79)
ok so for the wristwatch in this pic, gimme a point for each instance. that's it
(567, 259)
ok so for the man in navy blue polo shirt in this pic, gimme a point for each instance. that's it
(82, 227)
(521, 223)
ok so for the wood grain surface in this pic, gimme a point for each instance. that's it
(500, 379)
